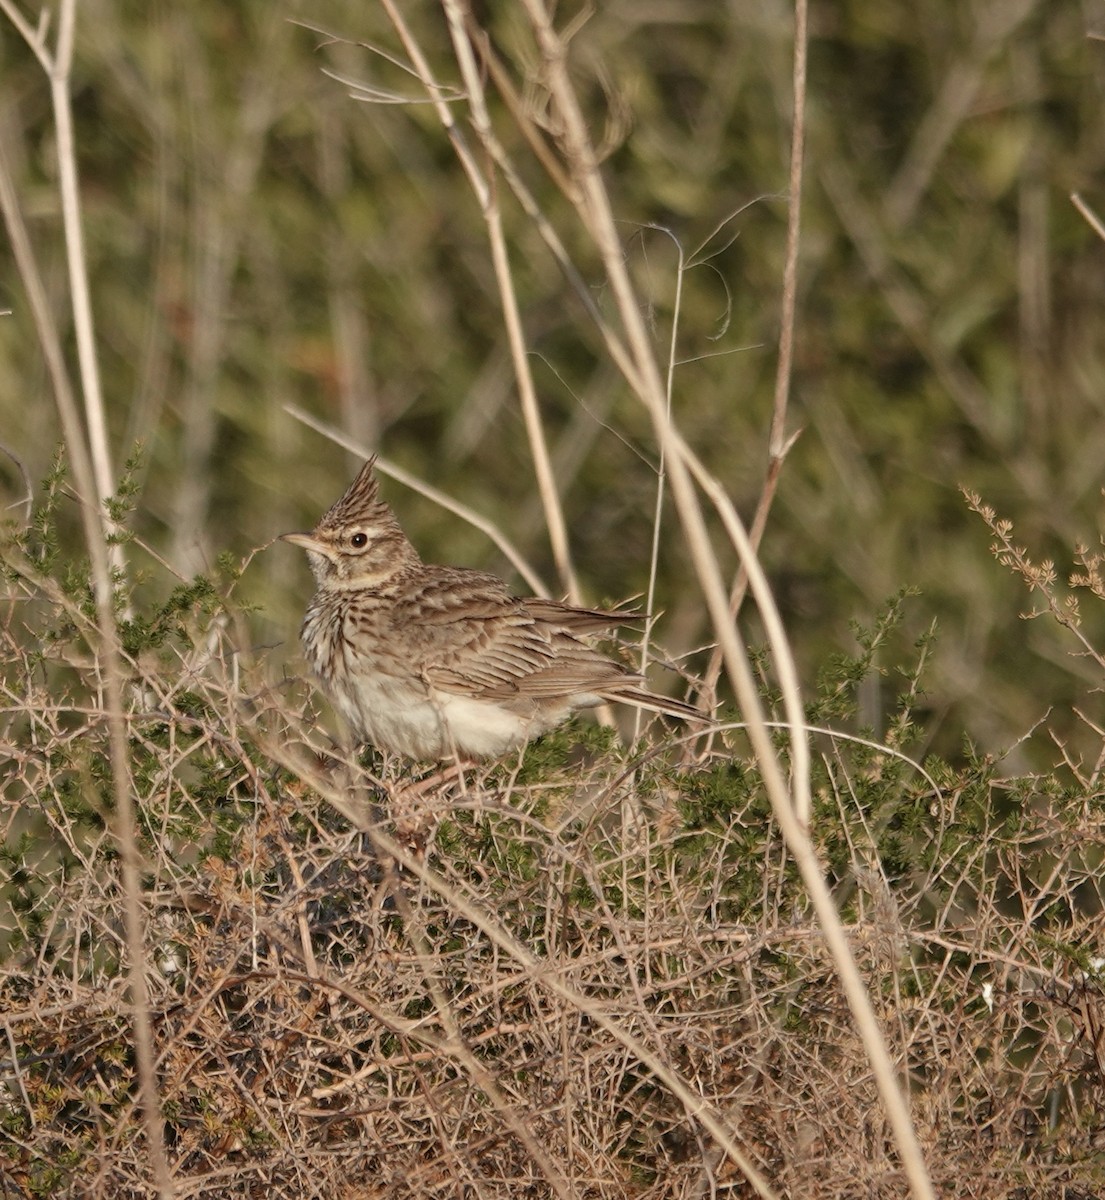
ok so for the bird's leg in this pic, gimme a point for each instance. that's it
(414, 821)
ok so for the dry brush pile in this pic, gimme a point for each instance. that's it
(601, 944)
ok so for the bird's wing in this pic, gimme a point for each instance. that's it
(581, 620)
(475, 639)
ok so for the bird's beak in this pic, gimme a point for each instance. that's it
(305, 542)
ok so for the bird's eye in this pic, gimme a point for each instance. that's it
(358, 540)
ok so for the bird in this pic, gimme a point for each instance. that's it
(436, 662)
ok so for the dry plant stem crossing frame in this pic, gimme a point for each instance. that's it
(57, 66)
(661, 475)
(779, 442)
(1088, 215)
(644, 377)
(484, 188)
(90, 463)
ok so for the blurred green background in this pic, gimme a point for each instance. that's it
(256, 237)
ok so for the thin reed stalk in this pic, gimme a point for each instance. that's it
(485, 192)
(90, 462)
(595, 212)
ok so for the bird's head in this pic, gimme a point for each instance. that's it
(358, 543)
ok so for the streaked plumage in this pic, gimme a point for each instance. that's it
(431, 662)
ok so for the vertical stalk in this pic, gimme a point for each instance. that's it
(59, 73)
(91, 466)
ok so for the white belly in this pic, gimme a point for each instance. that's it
(425, 724)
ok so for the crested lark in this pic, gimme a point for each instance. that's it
(432, 662)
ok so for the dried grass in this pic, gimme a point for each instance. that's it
(490, 1022)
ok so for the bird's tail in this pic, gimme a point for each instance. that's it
(659, 704)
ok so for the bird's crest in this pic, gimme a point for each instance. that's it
(361, 502)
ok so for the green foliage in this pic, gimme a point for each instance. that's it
(39, 541)
(566, 750)
(123, 503)
(842, 674)
(198, 600)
